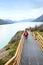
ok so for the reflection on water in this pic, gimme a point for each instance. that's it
(7, 31)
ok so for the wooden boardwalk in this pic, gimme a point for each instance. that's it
(31, 52)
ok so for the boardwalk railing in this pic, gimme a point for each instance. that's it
(39, 38)
(15, 60)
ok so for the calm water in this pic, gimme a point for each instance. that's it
(7, 31)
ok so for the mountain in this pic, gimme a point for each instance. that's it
(5, 22)
(39, 19)
(25, 20)
(10, 21)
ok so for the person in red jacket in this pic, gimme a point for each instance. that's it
(25, 33)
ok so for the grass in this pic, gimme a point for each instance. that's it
(12, 47)
(41, 33)
(1, 62)
(35, 33)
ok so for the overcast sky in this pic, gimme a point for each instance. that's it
(20, 9)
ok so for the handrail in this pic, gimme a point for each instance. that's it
(16, 59)
(11, 60)
(40, 36)
(40, 39)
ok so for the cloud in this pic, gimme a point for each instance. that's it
(21, 14)
(20, 9)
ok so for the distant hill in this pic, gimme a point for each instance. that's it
(5, 22)
(39, 19)
(10, 21)
(26, 20)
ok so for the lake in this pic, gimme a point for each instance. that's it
(7, 31)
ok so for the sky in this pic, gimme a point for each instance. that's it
(20, 9)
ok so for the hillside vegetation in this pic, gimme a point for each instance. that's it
(10, 49)
(41, 33)
(38, 29)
